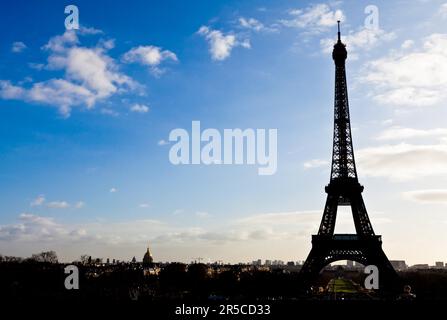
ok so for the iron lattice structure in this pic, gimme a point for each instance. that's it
(344, 189)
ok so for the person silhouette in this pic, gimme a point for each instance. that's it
(407, 295)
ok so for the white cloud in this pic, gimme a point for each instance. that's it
(442, 11)
(36, 66)
(402, 133)
(408, 79)
(363, 39)
(256, 26)
(36, 228)
(315, 163)
(60, 43)
(220, 44)
(151, 56)
(403, 161)
(109, 112)
(41, 230)
(113, 190)
(90, 75)
(38, 201)
(10, 91)
(427, 196)
(58, 204)
(57, 92)
(251, 23)
(144, 205)
(41, 200)
(92, 69)
(90, 30)
(112, 236)
(314, 19)
(140, 108)
(407, 44)
(18, 47)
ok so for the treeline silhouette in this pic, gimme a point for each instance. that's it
(42, 277)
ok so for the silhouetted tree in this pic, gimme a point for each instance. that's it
(45, 256)
(84, 259)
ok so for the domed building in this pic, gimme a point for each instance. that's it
(147, 259)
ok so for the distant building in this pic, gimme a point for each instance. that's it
(268, 262)
(290, 264)
(147, 259)
(257, 262)
(439, 264)
(422, 266)
(399, 265)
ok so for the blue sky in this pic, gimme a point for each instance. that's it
(87, 112)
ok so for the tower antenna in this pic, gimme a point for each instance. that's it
(338, 23)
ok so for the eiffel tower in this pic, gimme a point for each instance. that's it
(344, 189)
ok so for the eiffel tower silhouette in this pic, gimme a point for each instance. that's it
(344, 189)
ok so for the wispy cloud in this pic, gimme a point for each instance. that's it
(109, 112)
(403, 133)
(427, 196)
(220, 44)
(362, 39)
(58, 204)
(416, 78)
(315, 163)
(403, 161)
(38, 229)
(38, 201)
(442, 11)
(150, 56)
(139, 108)
(162, 142)
(256, 25)
(18, 47)
(314, 19)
